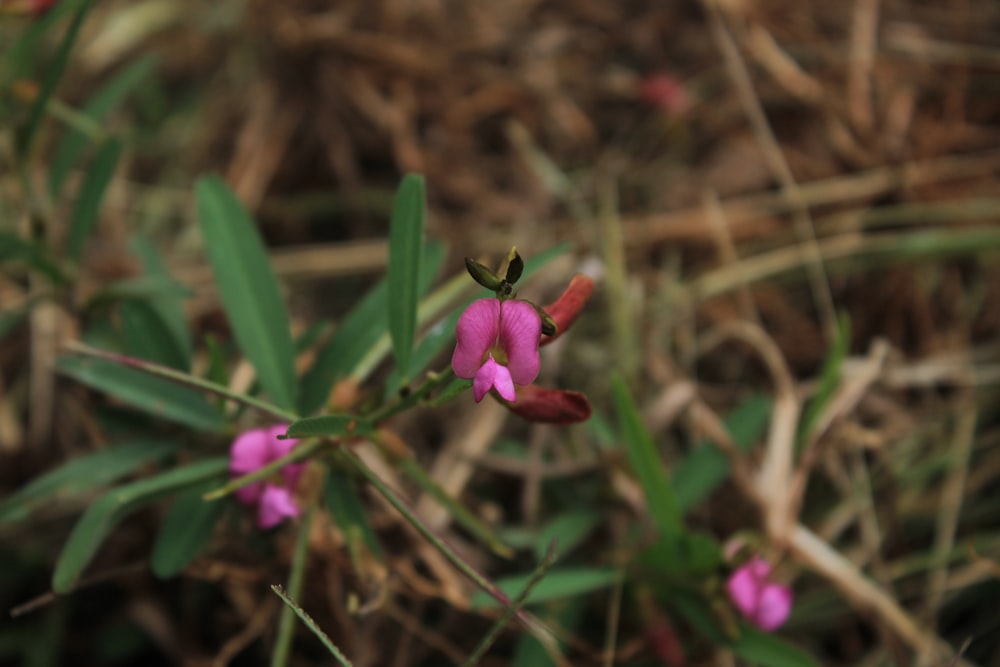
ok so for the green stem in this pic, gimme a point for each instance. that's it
(283, 645)
(513, 608)
(433, 381)
(300, 453)
(181, 378)
(311, 624)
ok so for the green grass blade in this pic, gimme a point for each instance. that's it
(296, 577)
(311, 624)
(186, 531)
(248, 288)
(828, 381)
(645, 461)
(18, 61)
(88, 202)
(82, 474)
(51, 80)
(154, 395)
(364, 324)
(102, 516)
(74, 142)
(406, 234)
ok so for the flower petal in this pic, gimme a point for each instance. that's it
(520, 331)
(249, 494)
(250, 451)
(476, 331)
(773, 607)
(504, 384)
(276, 505)
(564, 310)
(483, 382)
(550, 406)
(744, 590)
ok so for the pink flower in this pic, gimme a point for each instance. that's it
(497, 346)
(274, 498)
(763, 602)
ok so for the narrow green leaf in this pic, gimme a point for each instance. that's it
(20, 58)
(557, 584)
(169, 306)
(366, 322)
(102, 516)
(296, 577)
(704, 469)
(405, 249)
(329, 425)
(147, 336)
(645, 461)
(154, 395)
(768, 650)
(568, 529)
(248, 288)
(343, 500)
(15, 249)
(82, 474)
(186, 531)
(97, 108)
(51, 80)
(88, 202)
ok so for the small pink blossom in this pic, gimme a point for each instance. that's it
(763, 602)
(274, 497)
(497, 346)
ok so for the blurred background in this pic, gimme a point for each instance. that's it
(752, 183)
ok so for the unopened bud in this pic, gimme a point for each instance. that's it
(483, 275)
(515, 266)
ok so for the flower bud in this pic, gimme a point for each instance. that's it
(563, 311)
(550, 406)
(483, 275)
(515, 266)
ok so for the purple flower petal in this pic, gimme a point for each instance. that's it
(520, 331)
(773, 607)
(504, 384)
(250, 451)
(276, 505)
(476, 331)
(483, 381)
(744, 588)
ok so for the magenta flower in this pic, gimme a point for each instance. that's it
(497, 346)
(274, 497)
(763, 602)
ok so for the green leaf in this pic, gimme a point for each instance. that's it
(73, 142)
(88, 202)
(102, 516)
(343, 500)
(15, 249)
(359, 330)
(704, 469)
(51, 80)
(569, 530)
(82, 474)
(20, 58)
(557, 584)
(248, 288)
(169, 306)
(645, 461)
(154, 395)
(767, 650)
(311, 624)
(186, 531)
(329, 425)
(405, 248)
(147, 336)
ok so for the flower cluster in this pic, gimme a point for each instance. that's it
(497, 341)
(763, 602)
(274, 498)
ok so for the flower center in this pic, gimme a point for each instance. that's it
(499, 355)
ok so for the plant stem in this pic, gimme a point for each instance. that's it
(283, 644)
